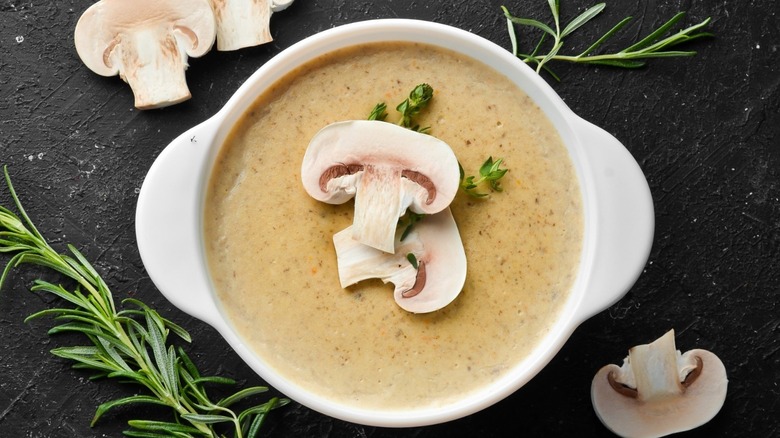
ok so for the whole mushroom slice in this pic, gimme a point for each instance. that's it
(386, 168)
(245, 23)
(659, 391)
(438, 251)
(147, 43)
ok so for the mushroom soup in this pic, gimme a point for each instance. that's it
(271, 251)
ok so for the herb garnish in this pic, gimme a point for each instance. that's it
(408, 220)
(130, 345)
(490, 172)
(379, 112)
(634, 56)
(418, 99)
(413, 260)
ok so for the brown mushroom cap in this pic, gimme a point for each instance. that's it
(147, 43)
(386, 168)
(659, 391)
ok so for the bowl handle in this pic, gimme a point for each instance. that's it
(168, 223)
(624, 219)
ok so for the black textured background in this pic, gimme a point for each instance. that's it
(703, 129)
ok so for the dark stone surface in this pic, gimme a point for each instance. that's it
(703, 129)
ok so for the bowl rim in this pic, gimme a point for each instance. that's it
(571, 128)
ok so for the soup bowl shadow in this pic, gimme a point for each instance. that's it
(617, 207)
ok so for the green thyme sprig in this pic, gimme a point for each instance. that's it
(418, 99)
(634, 56)
(129, 345)
(379, 112)
(490, 172)
(408, 221)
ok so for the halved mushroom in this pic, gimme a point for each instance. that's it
(438, 251)
(659, 391)
(245, 23)
(386, 168)
(147, 43)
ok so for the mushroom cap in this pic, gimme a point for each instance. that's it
(108, 23)
(381, 144)
(437, 246)
(445, 265)
(280, 5)
(672, 408)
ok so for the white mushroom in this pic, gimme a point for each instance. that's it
(386, 168)
(146, 42)
(438, 251)
(659, 391)
(245, 23)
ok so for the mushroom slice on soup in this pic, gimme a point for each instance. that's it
(428, 268)
(386, 168)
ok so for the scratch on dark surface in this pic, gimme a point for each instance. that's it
(608, 110)
(750, 216)
(687, 327)
(15, 400)
(53, 92)
(110, 244)
(677, 177)
(765, 356)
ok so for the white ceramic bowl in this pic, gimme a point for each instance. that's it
(617, 204)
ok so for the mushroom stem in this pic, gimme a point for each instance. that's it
(358, 262)
(378, 205)
(655, 369)
(245, 23)
(154, 68)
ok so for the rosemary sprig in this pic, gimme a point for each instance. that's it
(634, 56)
(129, 345)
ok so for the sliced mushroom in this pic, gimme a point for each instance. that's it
(245, 23)
(386, 168)
(441, 263)
(659, 391)
(146, 42)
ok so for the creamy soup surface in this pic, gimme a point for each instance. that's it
(271, 252)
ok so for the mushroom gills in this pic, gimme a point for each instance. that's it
(435, 243)
(658, 391)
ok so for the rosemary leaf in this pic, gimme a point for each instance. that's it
(129, 345)
(105, 407)
(654, 45)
